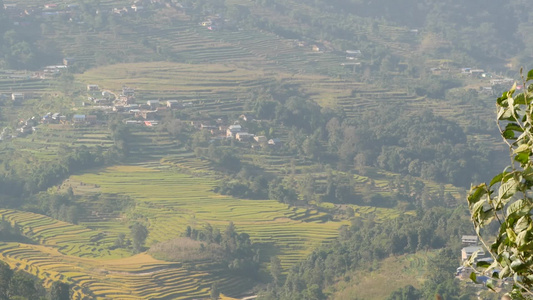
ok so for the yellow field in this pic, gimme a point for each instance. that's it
(167, 201)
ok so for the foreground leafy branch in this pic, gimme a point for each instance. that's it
(507, 199)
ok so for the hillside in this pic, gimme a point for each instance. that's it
(120, 114)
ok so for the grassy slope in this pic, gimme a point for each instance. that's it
(393, 273)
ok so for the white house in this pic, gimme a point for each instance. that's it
(466, 252)
(232, 130)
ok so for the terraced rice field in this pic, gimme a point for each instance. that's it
(169, 201)
(135, 277)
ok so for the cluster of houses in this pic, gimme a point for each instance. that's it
(236, 132)
(470, 247)
(22, 15)
(213, 22)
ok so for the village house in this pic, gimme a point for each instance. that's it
(91, 119)
(137, 8)
(469, 240)
(119, 108)
(26, 128)
(261, 139)
(102, 101)
(17, 97)
(243, 136)
(173, 104)
(152, 103)
(275, 142)
(92, 88)
(151, 123)
(148, 115)
(246, 117)
(232, 130)
(207, 126)
(78, 119)
(466, 252)
(353, 54)
(68, 61)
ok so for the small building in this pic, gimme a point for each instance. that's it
(119, 108)
(207, 126)
(133, 122)
(261, 139)
(137, 8)
(470, 240)
(102, 101)
(151, 123)
(148, 115)
(78, 119)
(246, 117)
(243, 136)
(91, 119)
(353, 53)
(26, 129)
(232, 130)
(466, 252)
(153, 103)
(17, 97)
(10, 6)
(274, 142)
(92, 88)
(173, 104)
(68, 61)
(316, 48)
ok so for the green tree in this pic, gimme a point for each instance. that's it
(275, 270)
(5, 278)
(139, 233)
(215, 292)
(59, 291)
(507, 199)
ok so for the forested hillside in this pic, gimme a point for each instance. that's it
(286, 149)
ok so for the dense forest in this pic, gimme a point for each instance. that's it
(365, 242)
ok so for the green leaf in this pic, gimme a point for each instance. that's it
(520, 99)
(511, 234)
(522, 158)
(478, 192)
(529, 75)
(482, 264)
(498, 178)
(521, 239)
(518, 208)
(511, 91)
(522, 224)
(473, 277)
(508, 134)
(504, 113)
(490, 284)
(508, 189)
